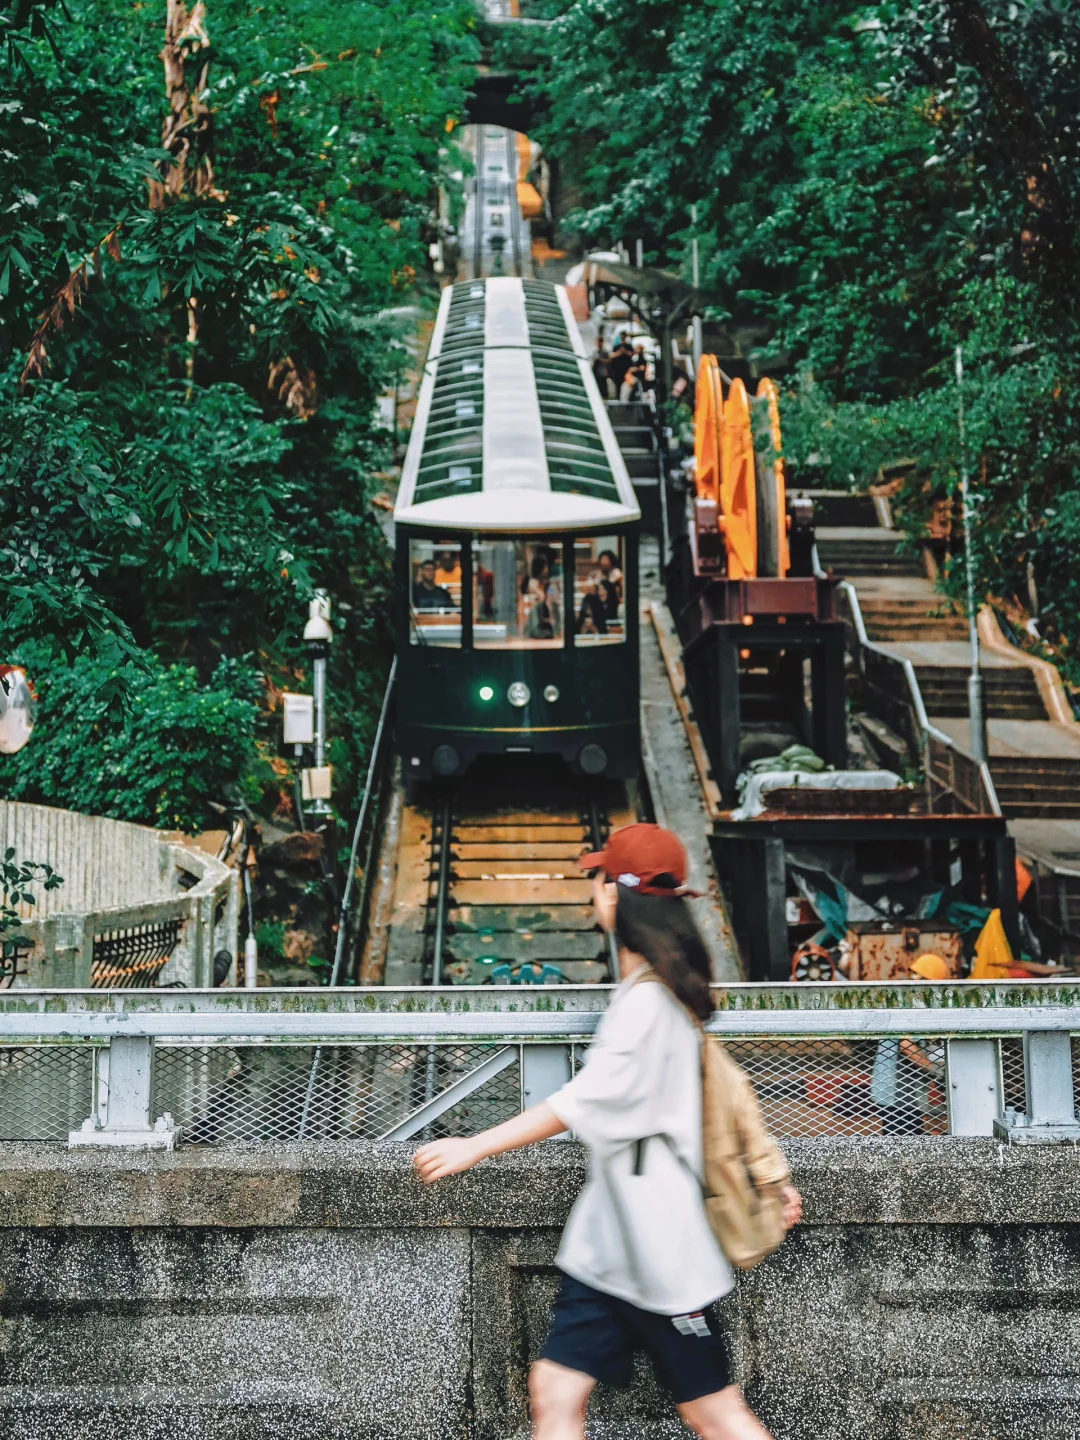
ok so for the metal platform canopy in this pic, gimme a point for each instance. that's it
(659, 299)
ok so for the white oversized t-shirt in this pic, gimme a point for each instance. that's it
(644, 1238)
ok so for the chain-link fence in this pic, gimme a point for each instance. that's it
(224, 1095)
(892, 1086)
(46, 1091)
(236, 1094)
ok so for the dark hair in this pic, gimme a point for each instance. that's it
(661, 928)
(611, 556)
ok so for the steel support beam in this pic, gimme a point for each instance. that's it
(1051, 1103)
(973, 1071)
(126, 1074)
(448, 1098)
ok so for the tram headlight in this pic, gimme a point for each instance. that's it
(486, 693)
(518, 694)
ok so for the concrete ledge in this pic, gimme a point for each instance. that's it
(322, 1291)
(363, 1185)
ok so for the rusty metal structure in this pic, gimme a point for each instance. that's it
(751, 612)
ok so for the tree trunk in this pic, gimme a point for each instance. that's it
(187, 132)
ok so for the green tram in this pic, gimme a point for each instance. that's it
(516, 546)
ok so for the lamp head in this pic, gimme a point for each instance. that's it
(318, 625)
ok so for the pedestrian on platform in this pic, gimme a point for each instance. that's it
(600, 362)
(622, 357)
(641, 1266)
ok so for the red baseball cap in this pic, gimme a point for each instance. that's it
(637, 855)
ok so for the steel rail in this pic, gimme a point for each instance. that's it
(598, 844)
(441, 893)
(542, 1025)
(909, 996)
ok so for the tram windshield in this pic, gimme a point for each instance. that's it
(435, 592)
(517, 595)
(599, 591)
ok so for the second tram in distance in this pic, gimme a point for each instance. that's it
(516, 546)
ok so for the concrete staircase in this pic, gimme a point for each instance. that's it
(1035, 763)
(1009, 693)
(632, 422)
(901, 615)
(1043, 787)
(853, 551)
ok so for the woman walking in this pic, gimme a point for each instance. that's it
(639, 1261)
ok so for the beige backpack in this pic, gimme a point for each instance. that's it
(744, 1167)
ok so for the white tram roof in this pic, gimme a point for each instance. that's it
(510, 432)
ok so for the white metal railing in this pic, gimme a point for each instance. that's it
(957, 773)
(151, 1068)
(130, 897)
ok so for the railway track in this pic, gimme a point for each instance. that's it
(496, 237)
(488, 889)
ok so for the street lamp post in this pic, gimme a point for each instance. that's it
(317, 636)
(976, 701)
(695, 280)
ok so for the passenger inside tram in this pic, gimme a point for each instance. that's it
(448, 570)
(598, 591)
(427, 594)
(611, 583)
(592, 616)
(517, 595)
(541, 598)
(435, 593)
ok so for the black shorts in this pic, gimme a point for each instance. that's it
(598, 1334)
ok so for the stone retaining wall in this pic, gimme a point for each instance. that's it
(933, 1292)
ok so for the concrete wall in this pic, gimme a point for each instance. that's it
(933, 1292)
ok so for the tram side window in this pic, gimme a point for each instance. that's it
(599, 591)
(435, 592)
(517, 595)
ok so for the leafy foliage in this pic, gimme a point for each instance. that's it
(176, 749)
(872, 189)
(17, 881)
(195, 448)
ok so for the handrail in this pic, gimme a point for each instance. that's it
(410, 1028)
(453, 1045)
(277, 1009)
(358, 830)
(925, 725)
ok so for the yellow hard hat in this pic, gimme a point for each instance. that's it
(931, 967)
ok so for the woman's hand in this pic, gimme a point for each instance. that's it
(447, 1157)
(792, 1202)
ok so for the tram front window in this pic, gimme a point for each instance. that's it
(435, 592)
(517, 595)
(599, 591)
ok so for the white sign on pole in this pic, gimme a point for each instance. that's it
(299, 719)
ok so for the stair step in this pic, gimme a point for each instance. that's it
(642, 467)
(1040, 810)
(929, 606)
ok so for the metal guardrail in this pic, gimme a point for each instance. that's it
(366, 830)
(152, 1068)
(959, 777)
(136, 907)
